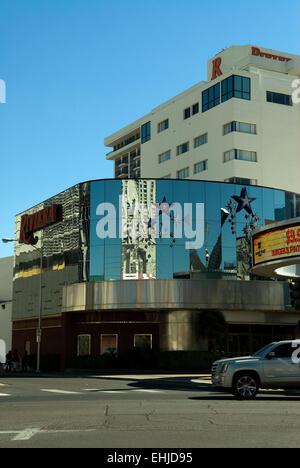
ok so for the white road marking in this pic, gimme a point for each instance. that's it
(4, 394)
(64, 392)
(98, 390)
(202, 381)
(146, 390)
(26, 434)
(114, 391)
(92, 389)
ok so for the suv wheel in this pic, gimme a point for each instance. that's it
(245, 386)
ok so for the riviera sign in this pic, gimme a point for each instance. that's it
(37, 221)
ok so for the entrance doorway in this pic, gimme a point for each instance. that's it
(245, 340)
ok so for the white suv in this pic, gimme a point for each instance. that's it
(277, 365)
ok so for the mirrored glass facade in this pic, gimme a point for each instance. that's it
(65, 253)
(231, 213)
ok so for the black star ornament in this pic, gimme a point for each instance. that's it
(244, 202)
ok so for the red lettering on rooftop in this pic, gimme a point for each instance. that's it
(257, 52)
(216, 63)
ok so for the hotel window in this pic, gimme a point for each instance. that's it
(211, 97)
(239, 127)
(236, 86)
(146, 132)
(164, 156)
(183, 173)
(242, 155)
(163, 125)
(200, 140)
(278, 98)
(182, 148)
(187, 113)
(143, 341)
(109, 344)
(241, 181)
(200, 166)
(194, 109)
(83, 345)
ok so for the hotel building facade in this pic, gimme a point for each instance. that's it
(240, 125)
(216, 162)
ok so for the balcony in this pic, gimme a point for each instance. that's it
(125, 144)
(138, 154)
(136, 164)
(122, 173)
(122, 164)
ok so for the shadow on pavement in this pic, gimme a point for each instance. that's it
(178, 384)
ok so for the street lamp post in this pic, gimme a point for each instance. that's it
(38, 334)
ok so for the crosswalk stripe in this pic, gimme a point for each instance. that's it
(64, 392)
(146, 390)
(26, 434)
(114, 391)
(98, 390)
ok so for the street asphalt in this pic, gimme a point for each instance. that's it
(134, 411)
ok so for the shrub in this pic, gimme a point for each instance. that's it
(146, 359)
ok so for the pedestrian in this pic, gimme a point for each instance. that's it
(8, 363)
(15, 360)
(25, 361)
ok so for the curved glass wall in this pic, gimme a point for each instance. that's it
(147, 229)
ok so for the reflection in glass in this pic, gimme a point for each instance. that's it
(143, 341)
(232, 212)
(138, 247)
(109, 344)
(83, 345)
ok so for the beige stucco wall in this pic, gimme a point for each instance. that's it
(277, 142)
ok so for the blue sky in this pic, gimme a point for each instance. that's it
(78, 70)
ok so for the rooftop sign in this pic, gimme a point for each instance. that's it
(257, 52)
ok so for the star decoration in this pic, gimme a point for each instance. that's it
(244, 202)
(165, 207)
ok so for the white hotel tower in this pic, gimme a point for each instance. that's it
(241, 125)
